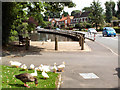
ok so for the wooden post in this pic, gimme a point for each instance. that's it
(56, 43)
(27, 43)
(82, 46)
(80, 40)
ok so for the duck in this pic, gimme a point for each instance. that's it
(35, 73)
(45, 75)
(26, 77)
(49, 40)
(61, 67)
(43, 42)
(24, 67)
(40, 68)
(54, 68)
(46, 68)
(32, 66)
(15, 63)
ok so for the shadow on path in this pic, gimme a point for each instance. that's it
(20, 50)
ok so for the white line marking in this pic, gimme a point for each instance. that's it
(88, 75)
(108, 48)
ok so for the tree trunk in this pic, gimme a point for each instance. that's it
(96, 26)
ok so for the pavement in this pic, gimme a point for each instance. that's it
(62, 46)
(96, 59)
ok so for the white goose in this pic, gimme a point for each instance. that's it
(32, 66)
(49, 40)
(24, 67)
(15, 63)
(61, 67)
(40, 68)
(45, 68)
(45, 75)
(35, 73)
(54, 68)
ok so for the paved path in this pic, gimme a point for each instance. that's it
(99, 61)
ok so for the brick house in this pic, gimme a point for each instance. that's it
(70, 20)
(53, 21)
(65, 20)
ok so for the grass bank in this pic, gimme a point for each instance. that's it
(9, 81)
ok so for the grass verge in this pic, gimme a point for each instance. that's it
(9, 81)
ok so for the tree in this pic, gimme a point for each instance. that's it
(112, 4)
(96, 16)
(57, 7)
(65, 13)
(14, 15)
(8, 14)
(86, 9)
(108, 13)
(118, 11)
(74, 12)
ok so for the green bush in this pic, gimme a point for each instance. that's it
(117, 29)
(62, 25)
(108, 25)
(88, 25)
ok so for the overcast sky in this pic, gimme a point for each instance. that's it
(80, 4)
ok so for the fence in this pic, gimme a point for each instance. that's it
(90, 36)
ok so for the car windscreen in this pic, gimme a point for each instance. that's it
(110, 29)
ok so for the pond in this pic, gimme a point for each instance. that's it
(46, 37)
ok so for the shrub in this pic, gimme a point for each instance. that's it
(62, 25)
(88, 25)
(117, 29)
(108, 25)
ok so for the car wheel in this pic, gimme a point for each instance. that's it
(114, 35)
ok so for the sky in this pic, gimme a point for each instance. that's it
(80, 4)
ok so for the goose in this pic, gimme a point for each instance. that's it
(26, 77)
(43, 42)
(45, 75)
(45, 68)
(40, 68)
(32, 66)
(35, 73)
(61, 67)
(54, 68)
(24, 67)
(15, 63)
(49, 40)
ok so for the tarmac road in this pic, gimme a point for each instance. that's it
(100, 61)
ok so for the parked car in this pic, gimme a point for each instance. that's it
(108, 31)
(57, 29)
(92, 31)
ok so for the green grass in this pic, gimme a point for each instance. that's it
(8, 81)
